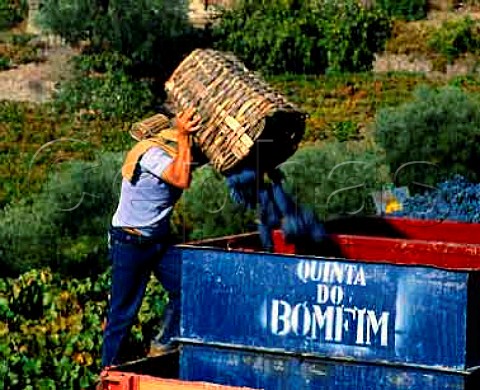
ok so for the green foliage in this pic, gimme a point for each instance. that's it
(332, 179)
(35, 137)
(405, 9)
(455, 37)
(335, 179)
(4, 63)
(286, 36)
(431, 137)
(353, 34)
(12, 12)
(64, 226)
(345, 130)
(206, 209)
(106, 61)
(103, 86)
(443, 43)
(114, 94)
(22, 39)
(73, 211)
(18, 49)
(274, 38)
(51, 329)
(151, 33)
(338, 102)
(465, 81)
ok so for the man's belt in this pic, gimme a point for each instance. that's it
(131, 236)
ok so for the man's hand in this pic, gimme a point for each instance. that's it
(188, 122)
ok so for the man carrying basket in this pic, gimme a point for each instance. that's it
(153, 178)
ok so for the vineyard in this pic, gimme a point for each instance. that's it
(60, 157)
(51, 329)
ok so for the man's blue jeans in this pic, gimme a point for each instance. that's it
(132, 264)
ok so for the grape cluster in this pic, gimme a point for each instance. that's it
(456, 199)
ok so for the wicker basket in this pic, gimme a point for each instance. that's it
(243, 118)
(150, 127)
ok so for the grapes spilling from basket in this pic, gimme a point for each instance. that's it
(456, 199)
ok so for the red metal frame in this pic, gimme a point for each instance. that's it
(444, 244)
(117, 380)
(415, 229)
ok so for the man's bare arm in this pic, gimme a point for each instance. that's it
(179, 173)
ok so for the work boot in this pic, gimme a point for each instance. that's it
(165, 342)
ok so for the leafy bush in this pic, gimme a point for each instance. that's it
(106, 61)
(103, 86)
(51, 329)
(114, 94)
(345, 130)
(287, 36)
(335, 179)
(353, 34)
(431, 137)
(442, 43)
(206, 209)
(22, 39)
(274, 38)
(4, 63)
(64, 226)
(152, 33)
(405, 9)
(455, 37)
(12, 12)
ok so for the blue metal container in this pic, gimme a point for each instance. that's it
(421, 316)
(380, 305)
(270, 371)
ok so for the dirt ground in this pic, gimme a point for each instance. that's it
(35, 82)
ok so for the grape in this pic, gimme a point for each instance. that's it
(456, 199)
